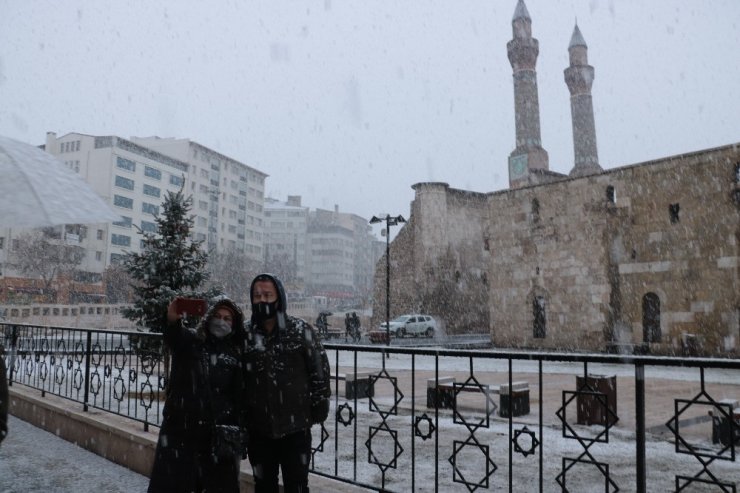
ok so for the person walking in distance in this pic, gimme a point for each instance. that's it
(4, 403)
(287, 389)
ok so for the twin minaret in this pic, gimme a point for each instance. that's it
(528, 162)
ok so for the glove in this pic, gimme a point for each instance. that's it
(319, 411)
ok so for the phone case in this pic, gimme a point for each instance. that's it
(193, 307)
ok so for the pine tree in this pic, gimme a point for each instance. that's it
(169, 265)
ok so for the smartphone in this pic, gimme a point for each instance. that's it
(191, 307)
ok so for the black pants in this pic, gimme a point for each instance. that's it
(291, 454)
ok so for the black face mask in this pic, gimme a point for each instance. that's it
(264, 311)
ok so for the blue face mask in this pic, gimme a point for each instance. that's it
(264, 310)
(219, 328)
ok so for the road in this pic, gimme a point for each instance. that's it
(462, 341)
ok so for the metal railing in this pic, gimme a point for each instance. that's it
(451, 420)
(410, 419)
(115, 371)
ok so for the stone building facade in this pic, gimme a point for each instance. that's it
(639, 257)
(643, 255)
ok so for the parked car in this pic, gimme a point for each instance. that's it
(412, 325)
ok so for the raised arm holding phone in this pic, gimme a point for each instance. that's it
(200, 443)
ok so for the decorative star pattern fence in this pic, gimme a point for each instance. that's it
(448, 420)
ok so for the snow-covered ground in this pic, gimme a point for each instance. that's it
(32, 459)
(467, 446)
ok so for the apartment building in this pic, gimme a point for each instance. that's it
(134, 175)
(228, 195)
(286, 226)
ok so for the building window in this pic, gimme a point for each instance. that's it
(152, 173)
(124, 202)
(126, 164)
(99, 234)
(540, 317)
(611, 195)
(149, 208)
(116, 259)
(673, 210)
(98, 256)
(151, 191)
(125, 222)
(651, 318)
(126, 183)
(176, 180)
(148, 227)
(120, 240)
(2, 242)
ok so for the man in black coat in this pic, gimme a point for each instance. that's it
(4, 403)
(287, 389)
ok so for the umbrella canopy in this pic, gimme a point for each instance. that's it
(38, 190)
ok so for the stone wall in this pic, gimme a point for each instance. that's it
(588, 250)
(438, 261)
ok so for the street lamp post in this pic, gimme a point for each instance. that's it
(389, 221)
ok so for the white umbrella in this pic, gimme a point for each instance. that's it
(38, 190)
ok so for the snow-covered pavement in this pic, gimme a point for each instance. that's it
(32, 459)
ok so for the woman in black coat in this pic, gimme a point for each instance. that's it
(203, 395)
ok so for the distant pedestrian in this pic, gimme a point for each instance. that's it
(287, 389)
(322, 324)
(348, 325)
(200, 445)
(4, 402)
(356, 329)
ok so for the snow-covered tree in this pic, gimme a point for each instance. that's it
(45, 253)
(170, 264)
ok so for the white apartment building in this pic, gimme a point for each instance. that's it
(133, 175)
(332, 253)
(341, 254)
(285, 240)
(228, 196)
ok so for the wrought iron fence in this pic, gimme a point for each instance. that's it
(115, 371)
(450, 420)
(426, 420)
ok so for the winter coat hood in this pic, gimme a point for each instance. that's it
(216, 303)
(282, 299)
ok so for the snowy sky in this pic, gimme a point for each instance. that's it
(351, 102)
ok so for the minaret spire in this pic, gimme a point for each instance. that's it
(523, 50)
(579, 77)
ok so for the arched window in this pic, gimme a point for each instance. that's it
(535, 210)
(651, 318)
(540, 317)
(611, 195)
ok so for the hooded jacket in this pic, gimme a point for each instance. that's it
(205, 389)
(3, 397)
(286, 373)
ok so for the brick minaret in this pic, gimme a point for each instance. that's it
(523, 50)
(579, 77)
